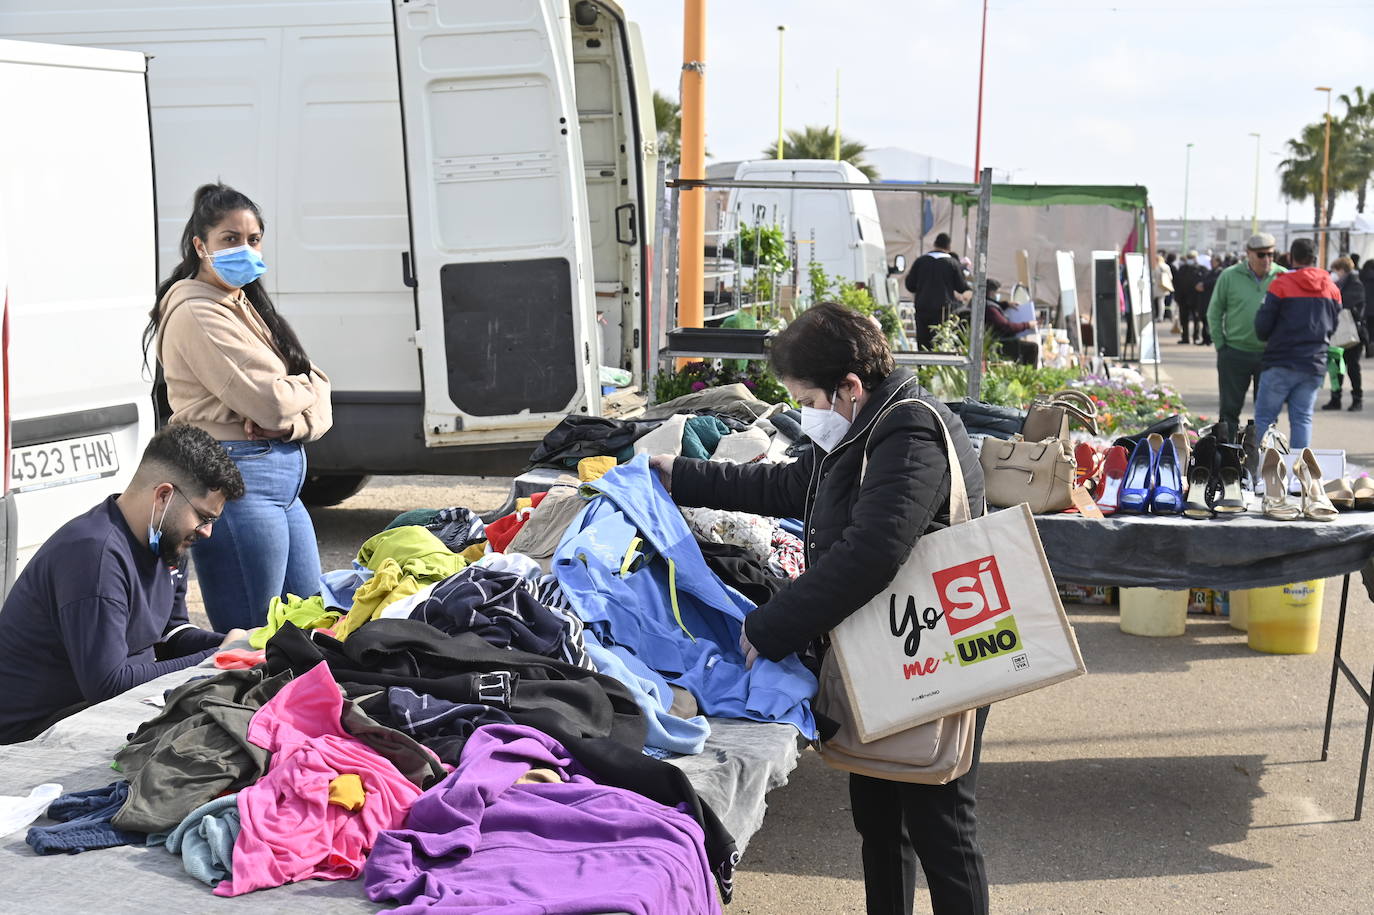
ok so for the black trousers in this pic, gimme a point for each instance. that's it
(1195, 315)
(925, 328)
(1352, 369)
(900, 822)
(1238, 373)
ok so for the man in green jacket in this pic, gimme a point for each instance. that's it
(1239, 292)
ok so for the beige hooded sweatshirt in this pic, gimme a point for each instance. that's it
(222, 367)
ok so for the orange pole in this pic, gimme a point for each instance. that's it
(691, 258)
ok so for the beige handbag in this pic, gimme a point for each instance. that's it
(1040, 474)
(933, 753)
(1050, 418)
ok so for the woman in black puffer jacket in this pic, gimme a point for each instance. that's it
(837, 365)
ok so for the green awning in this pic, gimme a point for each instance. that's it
(1121, 196)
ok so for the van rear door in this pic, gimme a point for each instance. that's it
(500, 246)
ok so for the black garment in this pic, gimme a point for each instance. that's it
(578, 437)
(557, 698)
(441, 725)
(900, 822)
(1238, 374)
(498, 607)
(988, 419)
(1192, 302)
(738, 568)
(855, 538)
(1352, 298)
(933, 280)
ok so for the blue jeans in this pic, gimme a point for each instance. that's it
(263, 545)
(1279, 385)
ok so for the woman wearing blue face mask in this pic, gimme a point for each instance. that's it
(837, 365)
(235, 368)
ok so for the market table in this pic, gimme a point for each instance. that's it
(1246, 550)
(742, 761)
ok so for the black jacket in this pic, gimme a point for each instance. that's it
(1185, 284)
(856, 537)
(933, 280)
(1352, 298)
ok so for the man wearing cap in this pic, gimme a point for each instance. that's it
(1237, 297)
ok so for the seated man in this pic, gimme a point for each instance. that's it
(1004, 330)
(101, 607)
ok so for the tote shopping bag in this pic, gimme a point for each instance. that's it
(1347, 332)
(972, 616)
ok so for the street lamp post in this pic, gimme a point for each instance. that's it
(1326, 167)
(1187, 169)
(982, 61)
(1254, 211)
(781, 30)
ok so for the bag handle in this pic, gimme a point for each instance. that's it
(1078, 405)
(958, 492)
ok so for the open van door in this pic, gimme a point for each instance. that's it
(501, 254)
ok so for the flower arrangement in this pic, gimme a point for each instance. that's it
(697, 376)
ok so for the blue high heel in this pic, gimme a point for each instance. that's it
(1168, 496)
(1139, 486)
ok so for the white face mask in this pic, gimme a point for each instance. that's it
(824, 427)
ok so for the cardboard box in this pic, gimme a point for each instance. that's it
(1086, 594)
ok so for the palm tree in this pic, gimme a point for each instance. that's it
(1359, 129)
(819, 143)
(1300, 175)
(668, 118)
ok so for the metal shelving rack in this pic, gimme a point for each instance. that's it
(971, 362)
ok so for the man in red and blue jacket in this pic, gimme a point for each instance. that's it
(1296, 320)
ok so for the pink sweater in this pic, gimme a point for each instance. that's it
(290, 830)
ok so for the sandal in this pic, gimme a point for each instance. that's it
(1113, 477)
(1230, 473)
(1315, 505)
(1182, 453)
(1363, 491)
(1277, 505)
(1341, 493)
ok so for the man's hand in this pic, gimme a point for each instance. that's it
(255, 433)
(751, 654)
(232, 636)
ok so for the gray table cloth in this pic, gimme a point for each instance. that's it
(1173, 552)
(742, 761)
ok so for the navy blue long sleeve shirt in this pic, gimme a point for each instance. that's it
(87, 619)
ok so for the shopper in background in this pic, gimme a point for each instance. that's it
(938, 284)
(1188, 287)
(1296, 322)
(1367, 281)
(1352, 300)
(1236, 299)
(1006, 332)
(1164, 287)
(235, 368)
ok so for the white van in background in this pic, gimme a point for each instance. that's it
(839, 229)
(457, 198)
(77, 242)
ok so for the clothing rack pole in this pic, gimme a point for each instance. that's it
(980, 286)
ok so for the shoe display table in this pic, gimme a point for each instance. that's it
(1224, 553)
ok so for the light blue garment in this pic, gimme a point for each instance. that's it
(695, 646)
(666, 731)
(205, 839)
(338, 587)
(1279, 385)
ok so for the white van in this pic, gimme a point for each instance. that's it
(839, 229)
(77, 241)
(457, 198)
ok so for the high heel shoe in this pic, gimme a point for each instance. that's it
(1249, 444)
(1088, 465)
(1276, 503)
(1230, 472)
(1341, 493)
(1315, 505)
(1139, 484)
(1201, 474)
(1113, 476)
(1183, 451)
(1168, 494)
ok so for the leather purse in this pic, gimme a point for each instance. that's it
(1050, 418)
(1039, 473)
(1347, 331)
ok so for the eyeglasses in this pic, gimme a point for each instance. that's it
(204, 519)
(1267, 255)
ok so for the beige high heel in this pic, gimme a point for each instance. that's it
(1184, 455)
(1341, 493)
(1276, 503)
(1315, 504)
(1363, 490)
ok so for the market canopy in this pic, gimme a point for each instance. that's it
(1121, 196)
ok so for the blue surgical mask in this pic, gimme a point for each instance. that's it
(238, 266)
(155, 533)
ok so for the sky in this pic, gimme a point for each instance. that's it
(1076, 91)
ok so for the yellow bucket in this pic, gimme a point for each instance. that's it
(1240, 610)
(1151, 612)
(1287, 619)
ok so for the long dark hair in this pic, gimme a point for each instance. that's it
(212, 203)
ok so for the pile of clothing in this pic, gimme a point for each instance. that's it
(469, 696)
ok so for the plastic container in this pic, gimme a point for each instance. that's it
(1240, 610)
(1287, 619)
(1151, 612)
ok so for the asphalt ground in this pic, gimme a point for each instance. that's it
(1181, 775)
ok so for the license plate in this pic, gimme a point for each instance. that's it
(68, 461)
